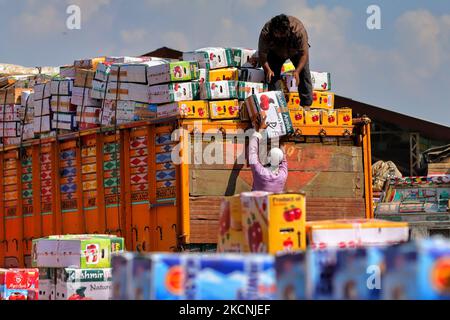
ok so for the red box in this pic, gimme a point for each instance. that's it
(19, 284)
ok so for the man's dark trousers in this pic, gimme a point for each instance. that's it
(305, 90)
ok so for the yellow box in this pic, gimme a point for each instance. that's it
(231, 237)
(224, 109)
(329, 117)
(287, 67)
(293, 101)
(297, 117)
(273, 223)
(345, 117)
(312, 117)
(224, 74)
(323, 100)
(184, 109)
(350, 233)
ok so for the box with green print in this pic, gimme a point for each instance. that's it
(83, 284)
(218, 90)
(173, 72)
(273, 105)
(211, 57)
(171, 92)
(80, 251)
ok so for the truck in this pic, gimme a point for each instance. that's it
(127, 180)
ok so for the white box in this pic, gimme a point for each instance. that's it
(41, 91)
(84, 284)
(171, 92)
(172, 72)
(77, 97)
(61, 87)
(41, 124)
(252, 75)
(127, 91)
(211, 57)
(98, 89)
(273, 105)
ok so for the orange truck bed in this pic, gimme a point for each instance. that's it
(122, 181)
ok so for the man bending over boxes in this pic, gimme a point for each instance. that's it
(285, 37)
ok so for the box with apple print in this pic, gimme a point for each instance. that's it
(345, 117)
(312, 117)
(231, 236)
(224, 109)
(80, 251)
(329, 117)
(83, 284)
(171, 92)
(172, 72)
(297, 117)
(218, 90)
(321, 81)
(271, 104)
(274, 223)
(198, 109)
(211, 57)
(19, 284)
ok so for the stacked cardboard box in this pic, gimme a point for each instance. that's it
(174, 90)
(227, 78)
(87, 108)
(75, 267)
(193, 277)
(19, 284)
(412, 271)
(16, 116)
(321, 112)
(124, 90)
(262, 222)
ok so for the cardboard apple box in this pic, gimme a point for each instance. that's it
(273, 105)
(273, 223)
(345, 117)
(184, 109)
(84, 284)
(211, 57)
(224, 109)
(173, 72)
(171, 92)
(218, 90)
(329, 117)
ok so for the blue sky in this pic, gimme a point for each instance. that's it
(405, 66)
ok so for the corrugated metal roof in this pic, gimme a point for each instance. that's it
(425, 128)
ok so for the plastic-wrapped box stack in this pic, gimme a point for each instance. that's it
(88, 109)
(75, 267)
(53, 109)
(16, 117)
(123, 85)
